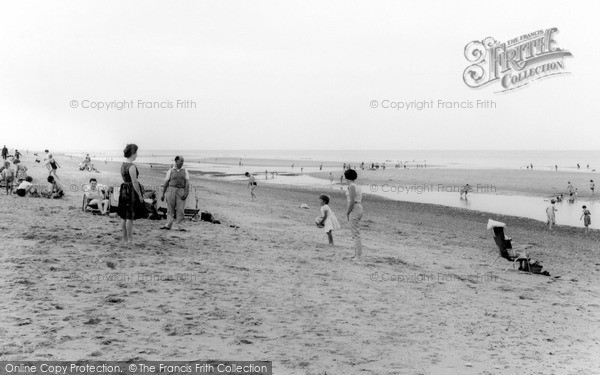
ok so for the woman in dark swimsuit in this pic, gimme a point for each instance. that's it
(130, 192)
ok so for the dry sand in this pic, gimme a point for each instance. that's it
(273, 290)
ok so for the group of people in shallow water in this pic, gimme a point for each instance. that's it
(586, 215)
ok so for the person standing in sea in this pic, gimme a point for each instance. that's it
(587, 218)
(130, 193)
(355, 211)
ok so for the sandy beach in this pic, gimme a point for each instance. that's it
(264, 284)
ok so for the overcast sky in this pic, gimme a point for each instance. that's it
(286, 75)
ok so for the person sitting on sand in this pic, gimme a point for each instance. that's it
(465, 190)
(251, 184)
(98, 196)
(56, 190)
(26, 187)
(550, 212)
(8, 176)
(328, 221)
(587, 218)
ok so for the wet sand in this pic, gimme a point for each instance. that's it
(422, 301)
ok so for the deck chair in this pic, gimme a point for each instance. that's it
(505, 248)
(191, 209)
(86, 206)
(93, 208)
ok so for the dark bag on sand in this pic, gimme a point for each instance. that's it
(139, 207)
(139, 210)
(207, 216)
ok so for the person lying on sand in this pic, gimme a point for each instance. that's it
(26, 187)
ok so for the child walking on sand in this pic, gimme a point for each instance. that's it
(587, 218)
(328, 221)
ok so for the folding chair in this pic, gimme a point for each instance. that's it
(506, 249)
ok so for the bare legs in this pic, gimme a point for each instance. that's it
(354, 219)
(127, 228)
(330, 238)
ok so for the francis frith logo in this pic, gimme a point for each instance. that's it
(514, 63)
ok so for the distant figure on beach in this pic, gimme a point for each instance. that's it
(570, 189)
(555, 167)
(266, 175)
(130, 195)
(4, 152)
(578, 166)
(292, 166)
(17, 154)
(301, 169)
(251, 185)
(550, 212)
(341, 179)
(176, 188)
(465, 190)
(321, 167)
(355, 212)
(328, 221)
(8, 176)
(330, 178)
(531, 166)
(52, 166)
(592, 186)
(587, 218)
(559, 198)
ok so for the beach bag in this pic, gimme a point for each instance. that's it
(207, 216)
(139, 207)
